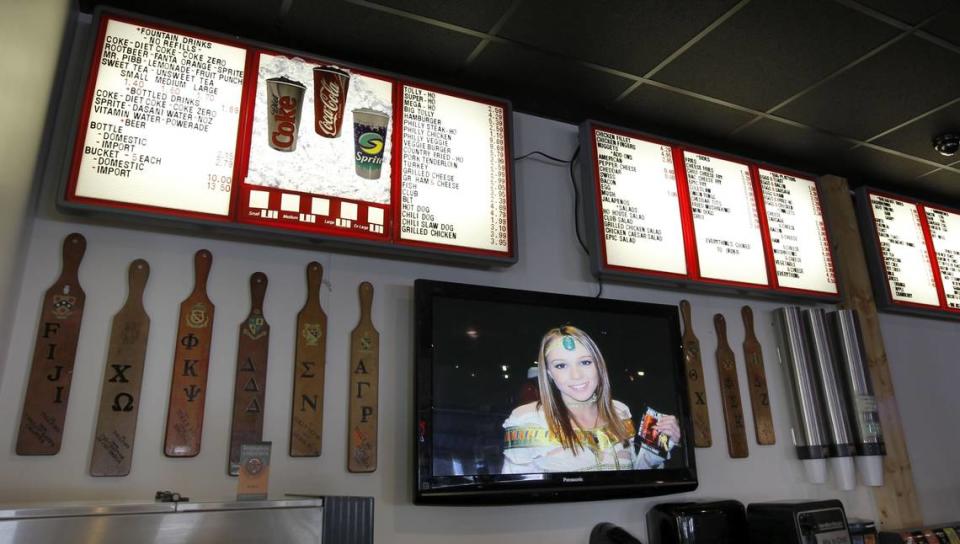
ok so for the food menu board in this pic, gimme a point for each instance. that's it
(798, 233)
(161, 128)
(725, 219)
(666, 212)
(453, 154)
(904, 250)
(198, 128)
(915, 253)
(945, 234)
(640, 207)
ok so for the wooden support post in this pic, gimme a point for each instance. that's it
(897, 504)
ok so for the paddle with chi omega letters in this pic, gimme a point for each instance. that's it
(364, 378)
(306, 424)
(696, 389)
(54, 353)
(190, 364)
(120, 393)
(249, 389)
(759, 398)
(730, 391)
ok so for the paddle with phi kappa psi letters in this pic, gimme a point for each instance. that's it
(759, 398)
(249, 393)
(364, 379)
(54, 353)
(120, 393)
(190, 365)
(730, 391)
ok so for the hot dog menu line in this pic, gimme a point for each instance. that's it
(162, 132)
(707, 227)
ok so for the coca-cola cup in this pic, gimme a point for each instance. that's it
(369, 140)
(284, 105)
(330, 85)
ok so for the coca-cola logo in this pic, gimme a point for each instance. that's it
(330, 92)
(285, 115)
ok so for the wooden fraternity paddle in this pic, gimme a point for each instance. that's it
(120, 393)
(54, 353)
(364, 378)
(759, 398)
(306, 424)
(730, 391)
(249, 389)
(190, 364)
(696, 389)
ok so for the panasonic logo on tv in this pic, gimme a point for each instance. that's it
(572, 480)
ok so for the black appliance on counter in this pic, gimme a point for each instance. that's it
(793, 522)
(719, 522)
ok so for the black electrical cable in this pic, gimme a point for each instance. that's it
(542, 154)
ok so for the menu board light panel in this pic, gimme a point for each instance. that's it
(666, 212)
(903, 248)
(944, 228)
(180, 124)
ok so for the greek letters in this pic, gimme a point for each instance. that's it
(192, 392)
(190, 341)
(126, 405)
(119, 375)
(307, 369)
(55, 377)
(308, 400)
(190, 367)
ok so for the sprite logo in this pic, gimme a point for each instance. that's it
(371, 143)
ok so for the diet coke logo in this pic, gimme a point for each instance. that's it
(330, 91)
(285, 115)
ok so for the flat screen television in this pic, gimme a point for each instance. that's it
(535, 397)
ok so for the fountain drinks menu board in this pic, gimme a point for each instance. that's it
(671, 212)
(181, 124)
(917, 246)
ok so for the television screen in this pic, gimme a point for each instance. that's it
(525, 396)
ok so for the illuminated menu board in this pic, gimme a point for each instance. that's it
(161, 128)
(666, 212)
(904, 251)
(725, 219)
(798, 234)
(200, 128)
(640, 207)
(453, 184)
(945, 234)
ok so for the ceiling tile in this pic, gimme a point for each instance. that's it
(540, 83)
(917, 137)
(911, 12)
(947, 24)
(623, 34)
(771, 49)
(479, 16)
(907, 79)
(877, 168)
(670, 113)
(944, 187)
(800, 147)
(379, 35)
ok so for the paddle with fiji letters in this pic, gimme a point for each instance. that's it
(54, 354)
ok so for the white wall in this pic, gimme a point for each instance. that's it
(28, 65)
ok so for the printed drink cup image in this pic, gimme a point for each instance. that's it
(330, 85)
(369, 138)
(284, 105)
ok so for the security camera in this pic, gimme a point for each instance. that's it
(947, 144)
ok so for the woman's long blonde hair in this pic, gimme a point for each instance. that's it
(555, 410)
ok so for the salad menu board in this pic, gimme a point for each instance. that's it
(916, 252)
(216, 131)
(665, 211)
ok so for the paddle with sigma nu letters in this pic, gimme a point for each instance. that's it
(696, 389)
(306, 425)
(730, 391)
(249, 392)
(120, 393)
(364, 378)
(54, 353)
(191, 362)
(759, 398)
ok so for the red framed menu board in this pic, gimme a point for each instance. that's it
(182, 126)
(914, 252)
(666, 212)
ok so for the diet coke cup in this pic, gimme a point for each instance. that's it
(330, 85)
(284, 105)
